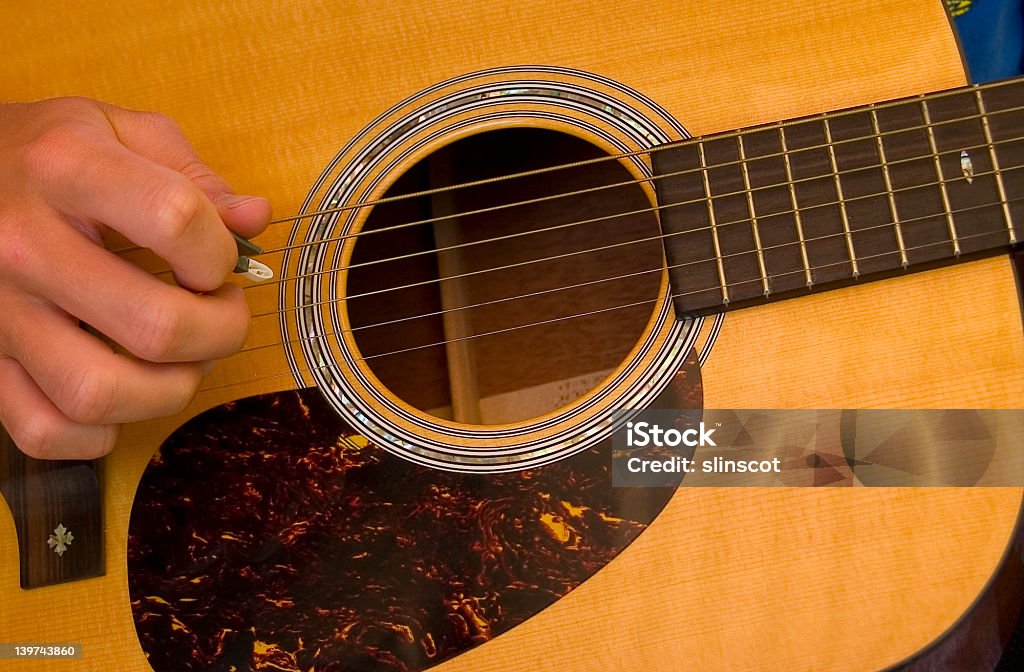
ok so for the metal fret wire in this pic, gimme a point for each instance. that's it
(937, 163)
(980, 103)
(797, 219)
(897, 227)
(765, 287)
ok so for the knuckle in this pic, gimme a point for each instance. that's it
(175, 205)
(19, 251)
(158, 331)
(87, 395)
(53, 153)
(52, 135)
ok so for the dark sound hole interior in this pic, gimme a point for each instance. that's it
(508, 314)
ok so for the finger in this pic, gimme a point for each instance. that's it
(152, 319)
(160, 139)
(84, 378)
(247, 216)
(152, 205)
(38, 427)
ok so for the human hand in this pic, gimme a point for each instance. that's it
(69, 169)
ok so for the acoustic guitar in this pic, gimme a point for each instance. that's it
(501, 224)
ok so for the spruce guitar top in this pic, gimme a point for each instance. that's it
(409, 463)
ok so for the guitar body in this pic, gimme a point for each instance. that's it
(720, 578)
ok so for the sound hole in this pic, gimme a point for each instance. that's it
(508, 314)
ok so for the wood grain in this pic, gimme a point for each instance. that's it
(727, 579)
(45, 496)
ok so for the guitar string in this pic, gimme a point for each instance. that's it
(652, 209)
(424, 283)
(568, 287)
(590, 313)
(628, 183)
(841, 234)
(648, 239)
(829, 115)
(616, 157)
(702, 169)
(607, 280)
(758, 279)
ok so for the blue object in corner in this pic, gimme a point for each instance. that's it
(992, 36)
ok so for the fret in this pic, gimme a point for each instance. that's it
(940, 176)
(808, 276)
(1006, 122)
(891, 197)
(824, 200)
(705, 178)
(987, 129)
(821, 218)
(692, 249)
(839, 195)
(766, 288)
(729, 195)
(911, 173)
(867, 206)
(969, 178)
(1003, 102)
(769, 202)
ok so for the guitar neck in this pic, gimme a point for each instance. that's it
(819, 202)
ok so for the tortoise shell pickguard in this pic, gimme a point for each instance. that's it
(259, 541)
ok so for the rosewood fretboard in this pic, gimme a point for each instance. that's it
(813, 203)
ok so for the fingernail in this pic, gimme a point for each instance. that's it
(231, 201)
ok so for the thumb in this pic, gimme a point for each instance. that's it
(245, 215)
